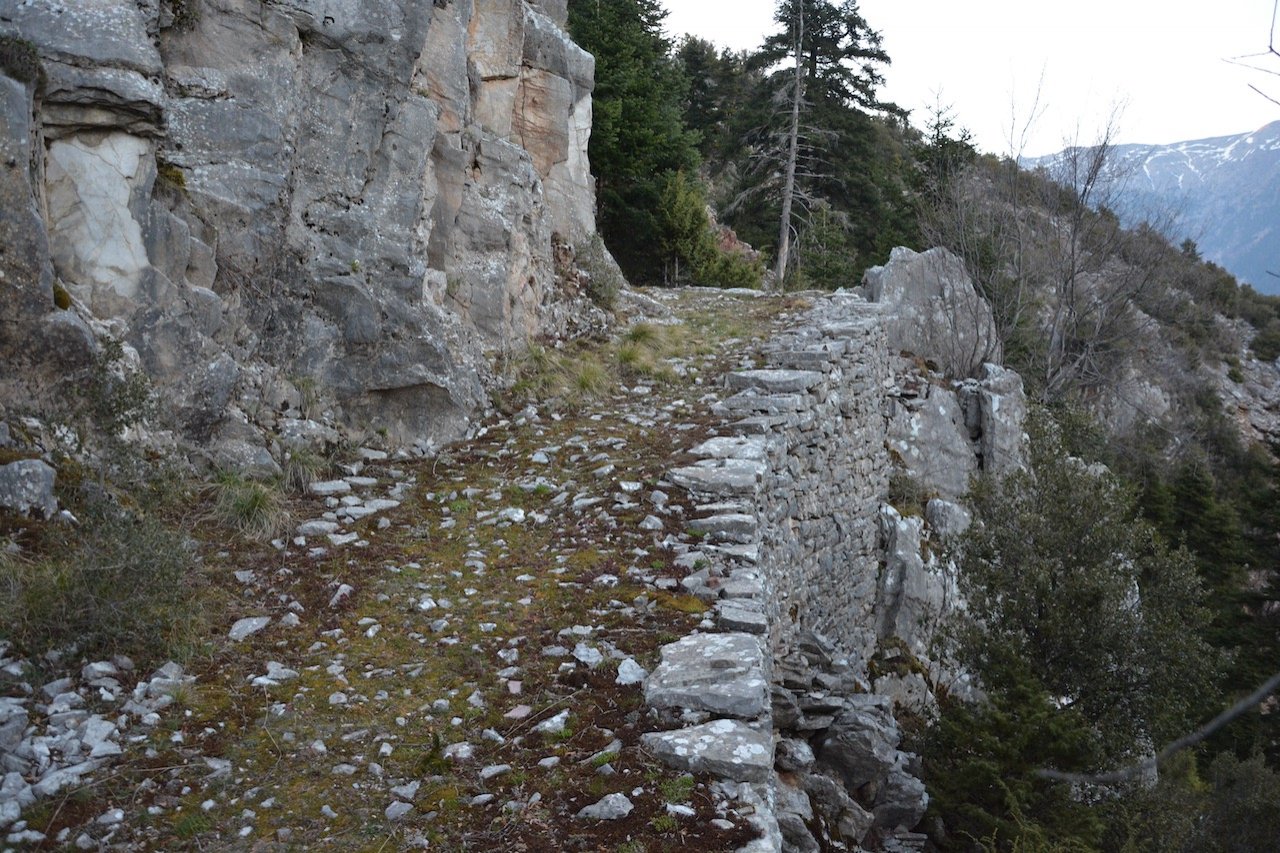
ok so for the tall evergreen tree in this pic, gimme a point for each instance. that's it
(851, 154)
(638, 139)
(841, 55)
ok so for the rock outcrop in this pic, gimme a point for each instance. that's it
(933, 310)
(350, 201)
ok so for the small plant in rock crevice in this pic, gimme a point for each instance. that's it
(20, 60)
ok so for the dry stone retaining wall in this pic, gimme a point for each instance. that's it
(792, 494)
(788, 499)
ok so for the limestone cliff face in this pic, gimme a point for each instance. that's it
(355, 196)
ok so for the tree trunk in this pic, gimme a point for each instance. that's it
(793, 147)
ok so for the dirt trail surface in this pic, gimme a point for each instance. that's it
(448, 653)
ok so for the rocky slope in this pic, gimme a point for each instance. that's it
(350, 202)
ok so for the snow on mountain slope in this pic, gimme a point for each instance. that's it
(1224, 192)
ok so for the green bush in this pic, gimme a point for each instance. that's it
(120, 582)
(116, 395)
(1266, 344)
(1086, 633)
(690, 252)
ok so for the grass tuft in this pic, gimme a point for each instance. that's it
(303, 467)
(677, 790)
(255, 510)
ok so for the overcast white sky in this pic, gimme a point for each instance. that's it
(1161, 62)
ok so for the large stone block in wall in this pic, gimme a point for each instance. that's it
(933, 310)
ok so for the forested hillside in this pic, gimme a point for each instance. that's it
(1130, 348)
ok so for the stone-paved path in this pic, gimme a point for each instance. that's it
(449, 653)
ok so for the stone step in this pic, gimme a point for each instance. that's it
(719, 673)
(725, 748)
(774, 380)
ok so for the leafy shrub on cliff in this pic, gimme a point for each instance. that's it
(20, 60)
(1086, 632)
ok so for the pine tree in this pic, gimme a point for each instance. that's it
(638, 139)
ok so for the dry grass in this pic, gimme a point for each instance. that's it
(252, 509)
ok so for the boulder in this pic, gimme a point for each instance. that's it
(861, 749)
(911, 594)
(933, 310)
(995, 410)
(946, 519)
(26, 487)
(861, 744)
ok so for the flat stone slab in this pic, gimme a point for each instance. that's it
(724, 481)
(720, 673)
(733, 447)
(725, 748)
(738, 526)
(328, 488)
(734, 618)
(775, 380)
(746, 403)
(245, 628)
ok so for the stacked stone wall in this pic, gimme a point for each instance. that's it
(790, 496)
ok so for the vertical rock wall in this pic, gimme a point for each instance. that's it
(358, 197)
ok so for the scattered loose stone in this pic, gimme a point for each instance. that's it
(555, 725)
(611, 807)
(245, 628)
(397, 810)
(630, 672)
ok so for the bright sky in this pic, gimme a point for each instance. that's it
(1162, 62)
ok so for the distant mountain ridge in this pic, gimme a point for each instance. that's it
(1226, 191)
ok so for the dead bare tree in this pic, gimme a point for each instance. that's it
(793, 147)
(1063, 278)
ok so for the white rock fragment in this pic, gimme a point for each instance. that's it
(247, 627)
(555, 725)
(630, 672)
(611, 807)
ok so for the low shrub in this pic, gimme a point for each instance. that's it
(121, 582)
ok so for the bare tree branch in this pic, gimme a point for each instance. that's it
(1264, 94)
(1142, 767)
